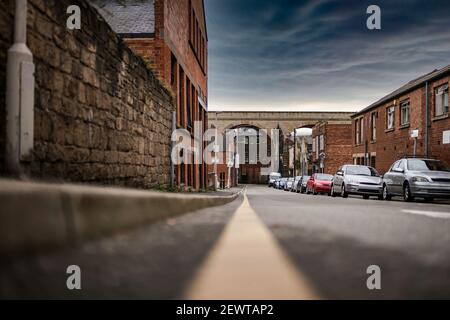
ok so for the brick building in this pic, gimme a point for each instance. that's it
(171, 35)
(382, 131)
(332, 146)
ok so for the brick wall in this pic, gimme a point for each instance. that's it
(337, 145)
(437, 126)
(101, 116)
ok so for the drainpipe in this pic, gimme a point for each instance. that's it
(172, 165)
(426, 119)
(19, 96)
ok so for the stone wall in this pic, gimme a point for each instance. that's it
(101, 116)
(6, 37)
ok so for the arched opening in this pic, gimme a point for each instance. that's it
(255, 154)
(301, 151)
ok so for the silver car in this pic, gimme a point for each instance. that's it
(282, 183)
(295, 185)
(301, 186)
(355, 179)
(289, 184)
(423, 178)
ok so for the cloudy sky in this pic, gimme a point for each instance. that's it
(318, 54)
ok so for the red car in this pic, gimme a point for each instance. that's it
(319, 183)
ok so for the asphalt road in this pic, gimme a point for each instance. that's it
(329, 241)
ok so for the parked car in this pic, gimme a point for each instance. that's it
(319, 183)
(273, 177)
(301, 186)
(282, 183)
(296, 181)
(276, 183)
(355, 179)
(289, 184)
(422, 178)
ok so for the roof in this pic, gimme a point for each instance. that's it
(410, 86)
(129, 18)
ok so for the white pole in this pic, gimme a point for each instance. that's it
(19, 96)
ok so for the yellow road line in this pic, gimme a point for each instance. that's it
(247, 263)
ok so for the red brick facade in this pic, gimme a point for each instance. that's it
(178, 55)
(383, 141)
(332, 142)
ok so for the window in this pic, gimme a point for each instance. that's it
(173, 70)
(390, 117)
(373, 121)
(181, 97)
(196, 39)
(322, 143)
(188, 103)
(441, 102)
(426, 165)
(359, 128)
(404, 113)
(357, 132)
(247, 149)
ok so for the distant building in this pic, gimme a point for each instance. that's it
(171, 35)
(382, 132)
(332, 146)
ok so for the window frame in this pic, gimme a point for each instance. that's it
(388, 113)
(405, 105)
(373, 124)
(444, 97)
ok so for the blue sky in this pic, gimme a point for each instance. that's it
(318, 54)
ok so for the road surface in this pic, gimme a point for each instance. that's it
(267, 244)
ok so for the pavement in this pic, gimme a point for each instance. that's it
(266, 244)
(36, 216)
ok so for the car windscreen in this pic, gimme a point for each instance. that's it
(324, 177)
(426, 165)
(361, 171)
(274, 177)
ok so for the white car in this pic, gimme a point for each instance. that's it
(274, 176)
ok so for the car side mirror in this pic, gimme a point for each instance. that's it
(399, 170)
(340, 173)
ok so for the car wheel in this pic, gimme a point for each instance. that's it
(386, 196)
(344, 193)
(315, 192)
(366, 197)
(407, 196)
(429, 199)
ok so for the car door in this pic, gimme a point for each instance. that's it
(309, 185)
(400, 177)
(395, 178)
(388, 177)
(337, 181)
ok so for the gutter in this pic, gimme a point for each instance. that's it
(19, 96)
